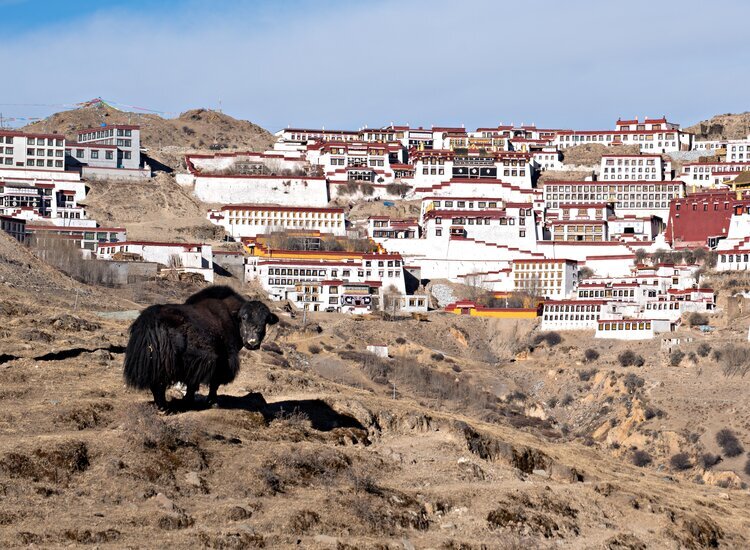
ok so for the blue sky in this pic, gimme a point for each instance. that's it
(346, 64)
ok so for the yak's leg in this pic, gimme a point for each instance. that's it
(190, 393)
(212, 389)
(160, 398)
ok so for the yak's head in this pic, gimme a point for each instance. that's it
(254, 316)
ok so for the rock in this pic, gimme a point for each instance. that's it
(541, 473)
(192, 478)
(325, 539)
(564, 474)
(165, 503)
(238, 513)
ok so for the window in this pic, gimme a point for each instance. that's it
(108, 155)
(94, 154)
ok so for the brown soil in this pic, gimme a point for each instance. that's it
(156, 210)
(591, 153)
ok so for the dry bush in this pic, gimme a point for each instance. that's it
(304, 467)
(708, 460)
(586, 375)
(88, 537)
(303, 521)
(161, 446)
(746, 469)
(735, 360)
(696, 319)
(397, 188)
(703, 349)
(54, 463)
(551, 338)
(552, 402)
(676, 357)
(590, 355)
(566, 400)
(401, 340)
(314, 349)
(640, 458)
(633, 382)
(629, 358)
(87, 416)
(680, 461)
(437, 356)
(730, 445)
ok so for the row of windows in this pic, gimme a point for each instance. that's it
(610, 137)
(620, 293)
(644, 325)
(279, 222)
(40, 162)
(731, 258)
(633, 169)
(572, 317)
(661, 187)
(663, 306)
(576, 307)
(104, 134)
(42, 153)
(627, 177)
(41, 141)
(283, 214)
(627, 162)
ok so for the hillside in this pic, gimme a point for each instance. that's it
(318, 445)
(156, 210)
(197, 128)
(726, 126)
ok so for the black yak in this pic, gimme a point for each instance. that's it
(195, 343)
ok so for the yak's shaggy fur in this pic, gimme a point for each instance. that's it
(195, 343)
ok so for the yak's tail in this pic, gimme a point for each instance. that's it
(150, 355)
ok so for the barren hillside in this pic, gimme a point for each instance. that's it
(158, 210)
(726, 126)
(591, 154)
(197, 128)
(448, 443)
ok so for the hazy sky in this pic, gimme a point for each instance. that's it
(346, 64)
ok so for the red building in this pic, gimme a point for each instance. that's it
(699, 217)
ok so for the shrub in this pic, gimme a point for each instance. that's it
(552, 402)
(314, 349)
(590, 355)
(437, 356)
(641, 458)
(675, 358)
(708, 460)
(747, 467)
(586, 375)
(566, 400)
(703, 350)
(397, 188)
(633, 382)
(552, 338)
(629, 358)
(680, 461)
(729, 443)
(735, 360)
(400, 340)
(696, 319)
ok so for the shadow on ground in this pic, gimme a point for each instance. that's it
(322, 417)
